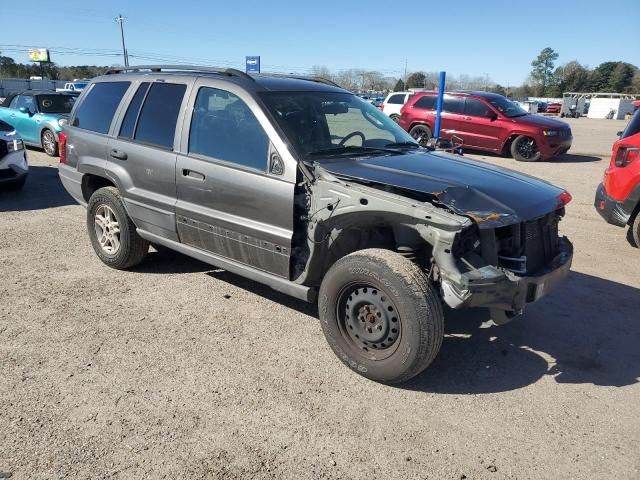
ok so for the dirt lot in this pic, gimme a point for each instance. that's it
(179, 370)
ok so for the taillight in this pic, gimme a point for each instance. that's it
(62, 147)
(626, 155)
(382, 107)
(564, 198)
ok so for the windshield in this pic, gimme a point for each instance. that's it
(55, 103)
(80, 85)
(507, 107)
(322, 123)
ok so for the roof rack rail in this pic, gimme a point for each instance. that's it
(302, 77)
(232, 72)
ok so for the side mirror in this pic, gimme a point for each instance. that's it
(619, 133)
(491, 115)
(24, 110)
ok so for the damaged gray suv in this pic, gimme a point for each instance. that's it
(300, 185)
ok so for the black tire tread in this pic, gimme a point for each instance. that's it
(514, 150)
(635, 230)
(136, 246)
(431, 332)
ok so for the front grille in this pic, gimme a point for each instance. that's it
(540, 241)
(527, 247)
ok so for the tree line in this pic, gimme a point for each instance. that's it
(544, 80)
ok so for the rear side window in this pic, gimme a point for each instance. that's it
(397, 99)
(633, 127)
(453, 104)
(96, 110)
(129, 122)
(427, 102)
(224, 127)
(475, 107)
(157, 122)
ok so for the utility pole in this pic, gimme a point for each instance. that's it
(405, 72)
(120, 19)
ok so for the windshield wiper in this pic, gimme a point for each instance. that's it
(346, 149)
(401, 144)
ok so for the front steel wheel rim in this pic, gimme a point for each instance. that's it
(107, 229)
(369, 321)
(527, 148)
(48, 142)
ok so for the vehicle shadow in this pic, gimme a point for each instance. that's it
(565, 158)
(586, 332)
(167, 261)
(575, 158)
(42, 190)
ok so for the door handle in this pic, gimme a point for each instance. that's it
(192, 174)
(467, 118)
(13, 115)
(118, 154)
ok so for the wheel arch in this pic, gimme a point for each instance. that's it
(92, 182)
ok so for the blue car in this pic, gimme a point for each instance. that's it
(38, 117)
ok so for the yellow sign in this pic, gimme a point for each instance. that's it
(38, 54)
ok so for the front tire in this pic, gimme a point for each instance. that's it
(525, 149)
(113, 234)
(49, 143)
(395, 117)
(380, 315)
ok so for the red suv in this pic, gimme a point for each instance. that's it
(618, 196)
(487, 121)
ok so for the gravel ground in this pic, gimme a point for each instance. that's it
(179, 370)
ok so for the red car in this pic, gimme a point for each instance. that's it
(487, 121)
(553, 108)
(618, 196)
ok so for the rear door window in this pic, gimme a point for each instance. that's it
(453, 104)
(397, 99)
(475, 108)
(130, 118)
(427, 102)
(98, 107)
(159, 115)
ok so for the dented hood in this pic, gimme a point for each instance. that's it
(491, 196)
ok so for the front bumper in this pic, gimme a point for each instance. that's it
(554, 146)
(492, 287)
(615, 212)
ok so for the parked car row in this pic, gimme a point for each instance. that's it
(38, 116)
(484, 121)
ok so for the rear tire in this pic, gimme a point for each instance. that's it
(113, 234)
(380, 315)
(524, 149)
(421, 133)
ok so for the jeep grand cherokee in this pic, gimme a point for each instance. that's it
(301, 185)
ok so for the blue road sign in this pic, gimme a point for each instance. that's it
(253, 64)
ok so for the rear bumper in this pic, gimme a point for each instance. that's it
(615, 212)
(13, 167)
(72, 181)
(495, 288)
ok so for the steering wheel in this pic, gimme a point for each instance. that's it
(350, 136)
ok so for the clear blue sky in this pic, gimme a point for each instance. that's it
(473, 37)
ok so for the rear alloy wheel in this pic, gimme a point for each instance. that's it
(395, 117)
(113, 234)
(524, 149)
(49, 143)
(421, 133)
(380, 315)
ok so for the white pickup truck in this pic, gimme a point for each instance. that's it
(73, 86)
